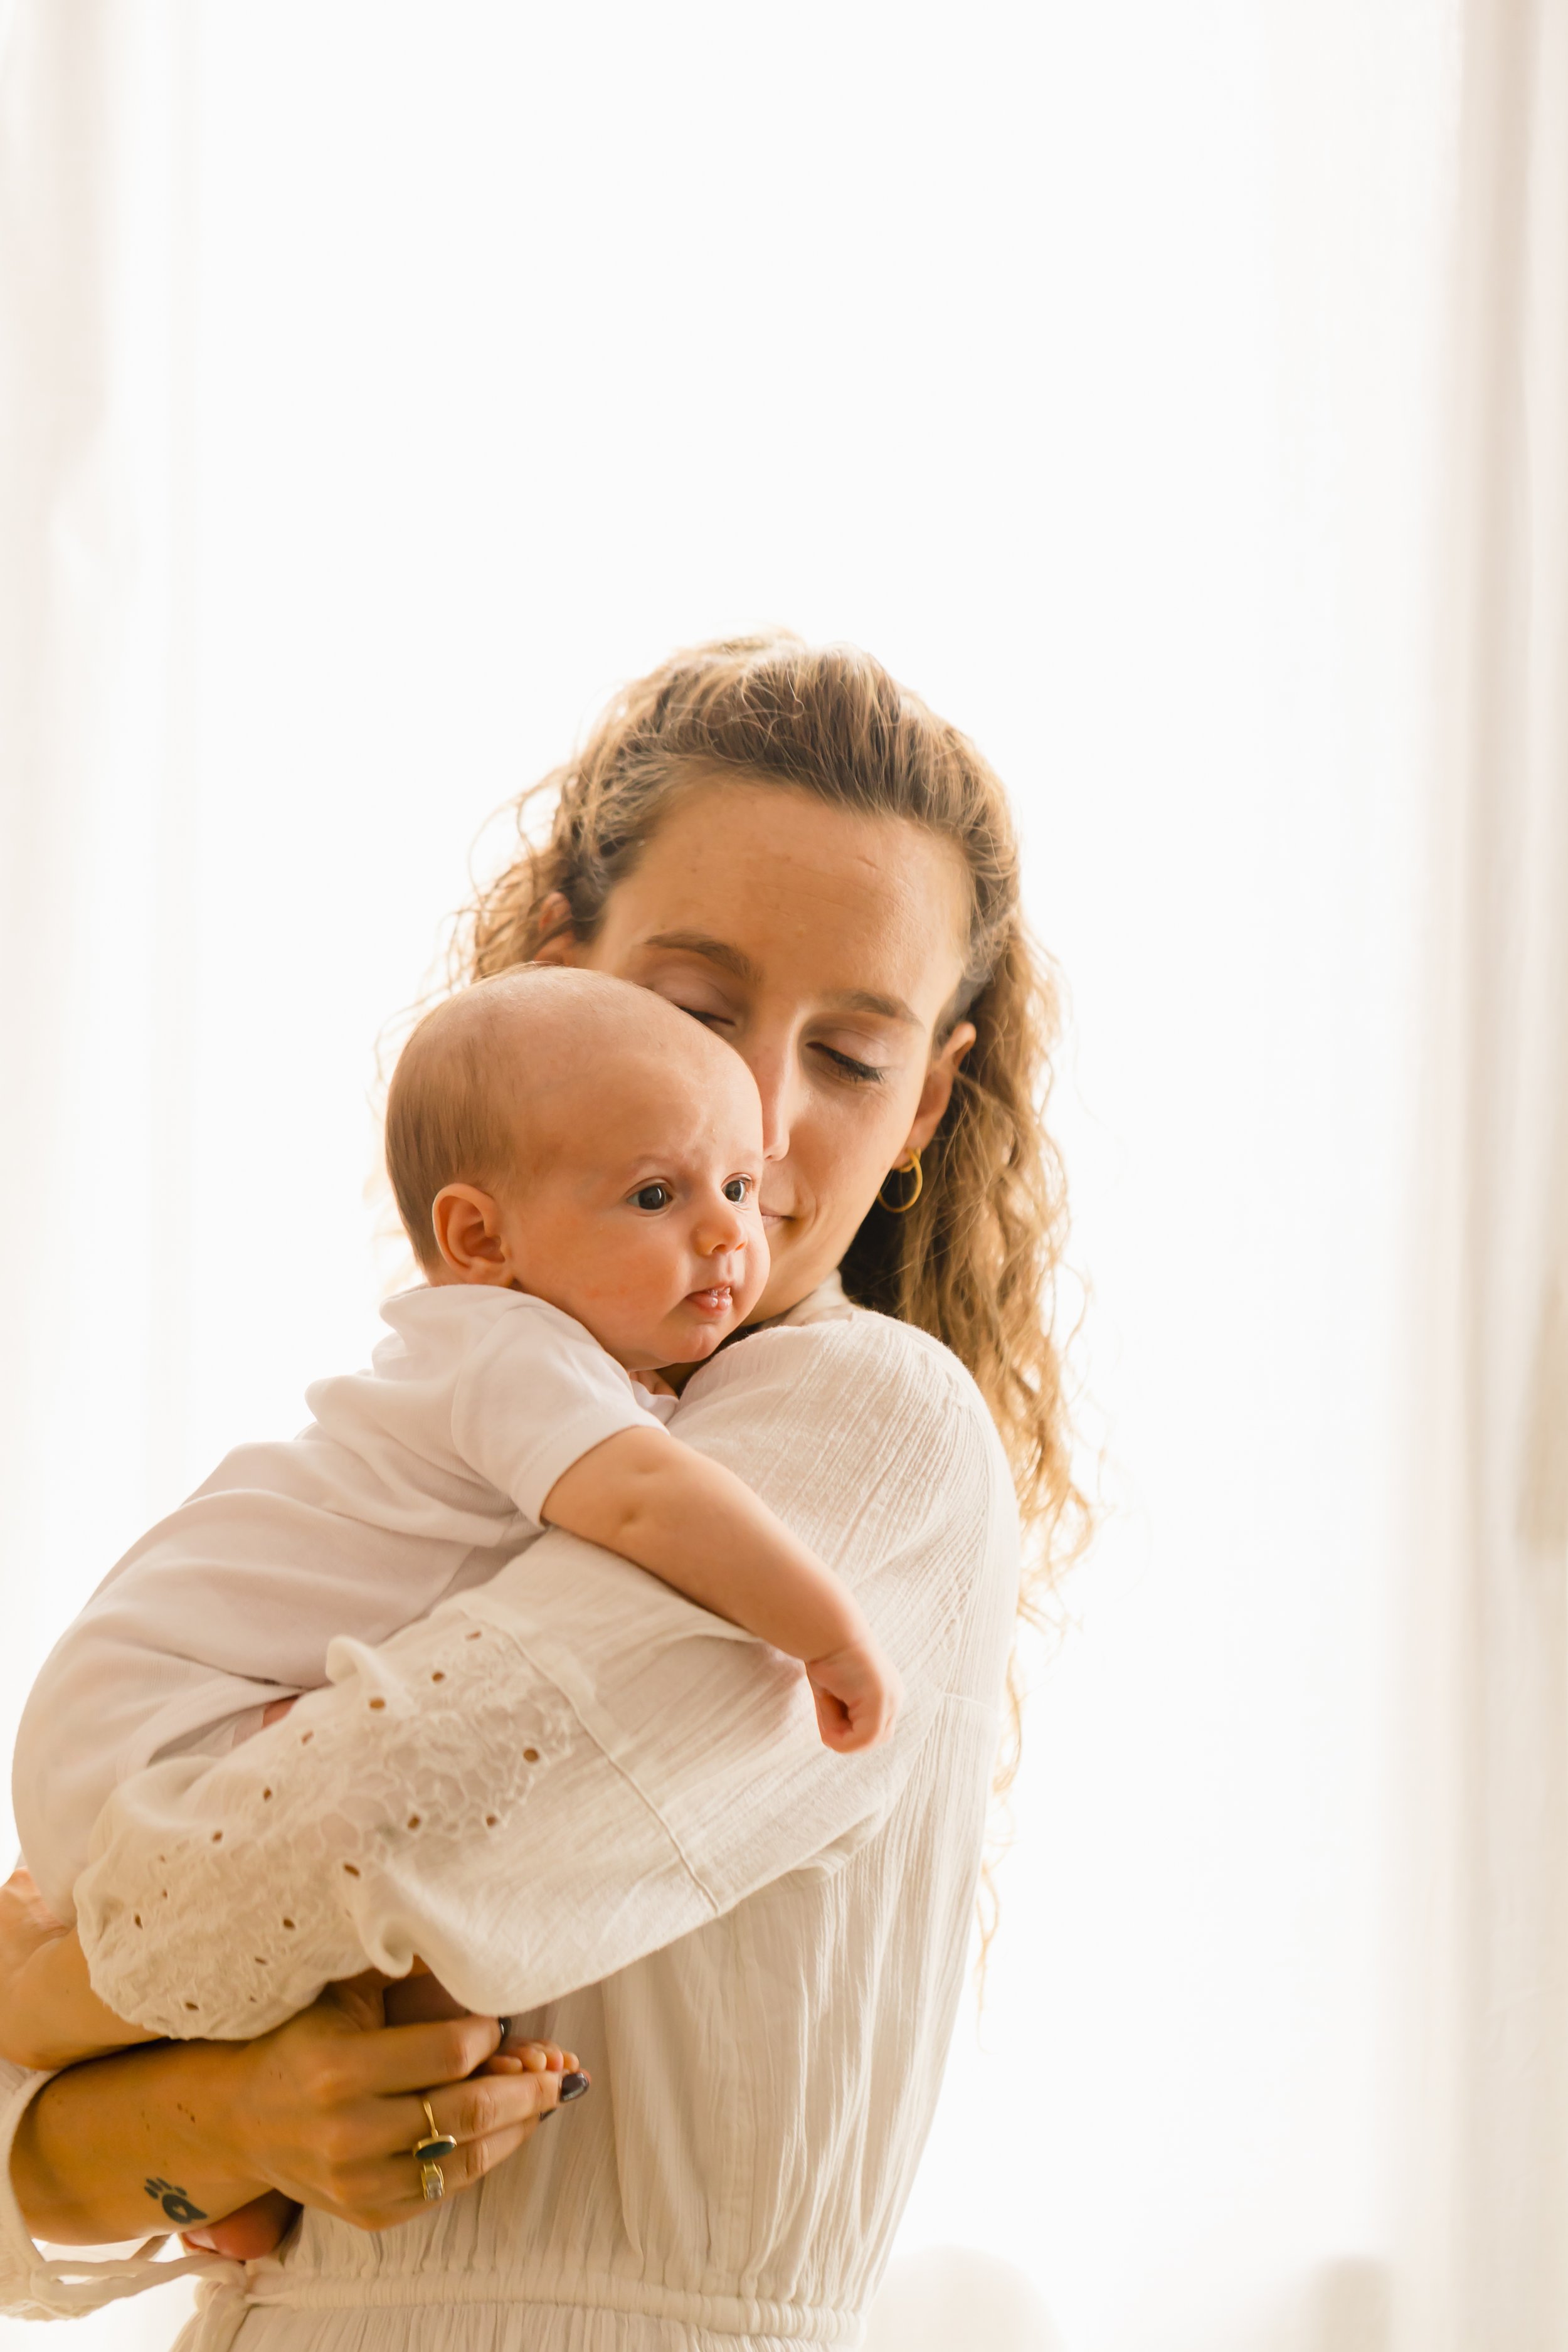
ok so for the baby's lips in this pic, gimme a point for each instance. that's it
(716, 1290)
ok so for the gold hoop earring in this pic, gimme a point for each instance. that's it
(911, 1167)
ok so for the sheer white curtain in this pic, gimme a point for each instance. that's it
(1487, 1798)
(1173, 396)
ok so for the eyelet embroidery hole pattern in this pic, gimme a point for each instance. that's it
(419, 1782)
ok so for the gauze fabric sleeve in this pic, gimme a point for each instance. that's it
(573, 1766)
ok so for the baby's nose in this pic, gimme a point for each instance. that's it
(721, 1231)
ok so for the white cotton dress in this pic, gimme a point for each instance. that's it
(584, 1800)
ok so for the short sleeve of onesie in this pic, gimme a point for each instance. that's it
(535, 1395)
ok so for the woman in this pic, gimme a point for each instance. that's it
(571, 1784)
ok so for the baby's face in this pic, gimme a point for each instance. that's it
(642, 1220)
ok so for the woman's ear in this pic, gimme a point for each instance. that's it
(558, 938)
(467, 1224)
(937, 1091)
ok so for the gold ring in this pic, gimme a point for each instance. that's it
(427, 2153)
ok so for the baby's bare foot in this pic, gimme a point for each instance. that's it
(252, 2231)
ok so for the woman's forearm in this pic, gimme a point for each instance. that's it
(132, 2145)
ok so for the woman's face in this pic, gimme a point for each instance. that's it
(823, 945)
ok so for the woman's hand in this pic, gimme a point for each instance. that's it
(333, 2104)
(325, 2110)
(261, 2226)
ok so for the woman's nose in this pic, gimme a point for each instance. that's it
(777, 1074)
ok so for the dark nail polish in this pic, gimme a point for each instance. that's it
(572, 2087)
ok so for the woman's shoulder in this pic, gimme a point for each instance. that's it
(850, 1369)
(872, 1441)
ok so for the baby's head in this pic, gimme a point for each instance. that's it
(569, 1135)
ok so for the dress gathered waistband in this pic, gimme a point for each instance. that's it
(718, 2315)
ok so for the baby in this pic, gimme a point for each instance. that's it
(577, 1166)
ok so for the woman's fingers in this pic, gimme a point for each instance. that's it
(473, 2110)
(411, 2057)
(380, 2196)
(361, 2163)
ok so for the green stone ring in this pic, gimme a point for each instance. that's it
(428, 2155)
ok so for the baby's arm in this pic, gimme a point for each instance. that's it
(700, 1529)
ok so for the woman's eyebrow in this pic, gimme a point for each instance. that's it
(719, 951)
(735, 960)
(886, 1008)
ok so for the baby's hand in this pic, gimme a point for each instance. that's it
(857, 1694)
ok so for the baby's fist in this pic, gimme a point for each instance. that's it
(857, 1694)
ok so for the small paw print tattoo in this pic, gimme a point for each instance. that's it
(176, 2205)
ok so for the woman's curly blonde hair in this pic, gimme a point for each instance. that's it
(975, 1261)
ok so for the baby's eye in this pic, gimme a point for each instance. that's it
(739, 1187)
(652, 1197)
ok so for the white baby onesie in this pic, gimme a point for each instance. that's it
(416, 1479)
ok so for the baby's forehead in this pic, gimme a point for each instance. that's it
(604, 1091)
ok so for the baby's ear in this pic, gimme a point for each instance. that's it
(467, 1225)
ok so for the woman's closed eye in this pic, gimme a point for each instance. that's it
(859, 1073)
(723, 1021)
(844, 1065)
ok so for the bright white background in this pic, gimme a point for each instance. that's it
(1076, 361)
